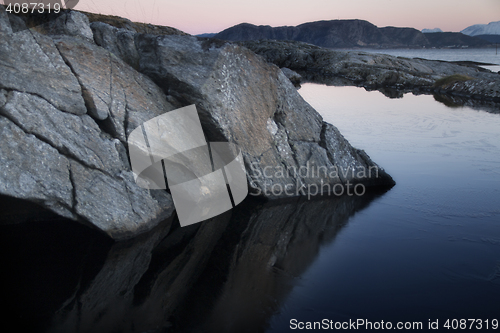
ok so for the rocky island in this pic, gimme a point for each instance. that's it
(73, 89)
(462, 82)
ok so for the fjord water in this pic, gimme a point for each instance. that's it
(430, 247)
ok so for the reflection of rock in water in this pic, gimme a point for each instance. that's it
(229, 274)
(454, 101)
(264, 251)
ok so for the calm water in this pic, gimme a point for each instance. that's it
(430, 247)
(486, 55)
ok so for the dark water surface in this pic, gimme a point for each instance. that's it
(427, 249)
(228, 274)
(430, 247)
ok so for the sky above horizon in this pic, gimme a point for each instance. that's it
(197, 16)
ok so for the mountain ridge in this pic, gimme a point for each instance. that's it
(348, 34)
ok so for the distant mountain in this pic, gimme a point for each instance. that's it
(335, 33)
(492, 28)
(348, 34)
(207, 35)
(430, 31)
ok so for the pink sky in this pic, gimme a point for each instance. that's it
(197, 16)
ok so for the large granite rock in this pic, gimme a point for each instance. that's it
(68, 105)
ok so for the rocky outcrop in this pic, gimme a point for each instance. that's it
(67, 106)
(379, 71)
(349, 34)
